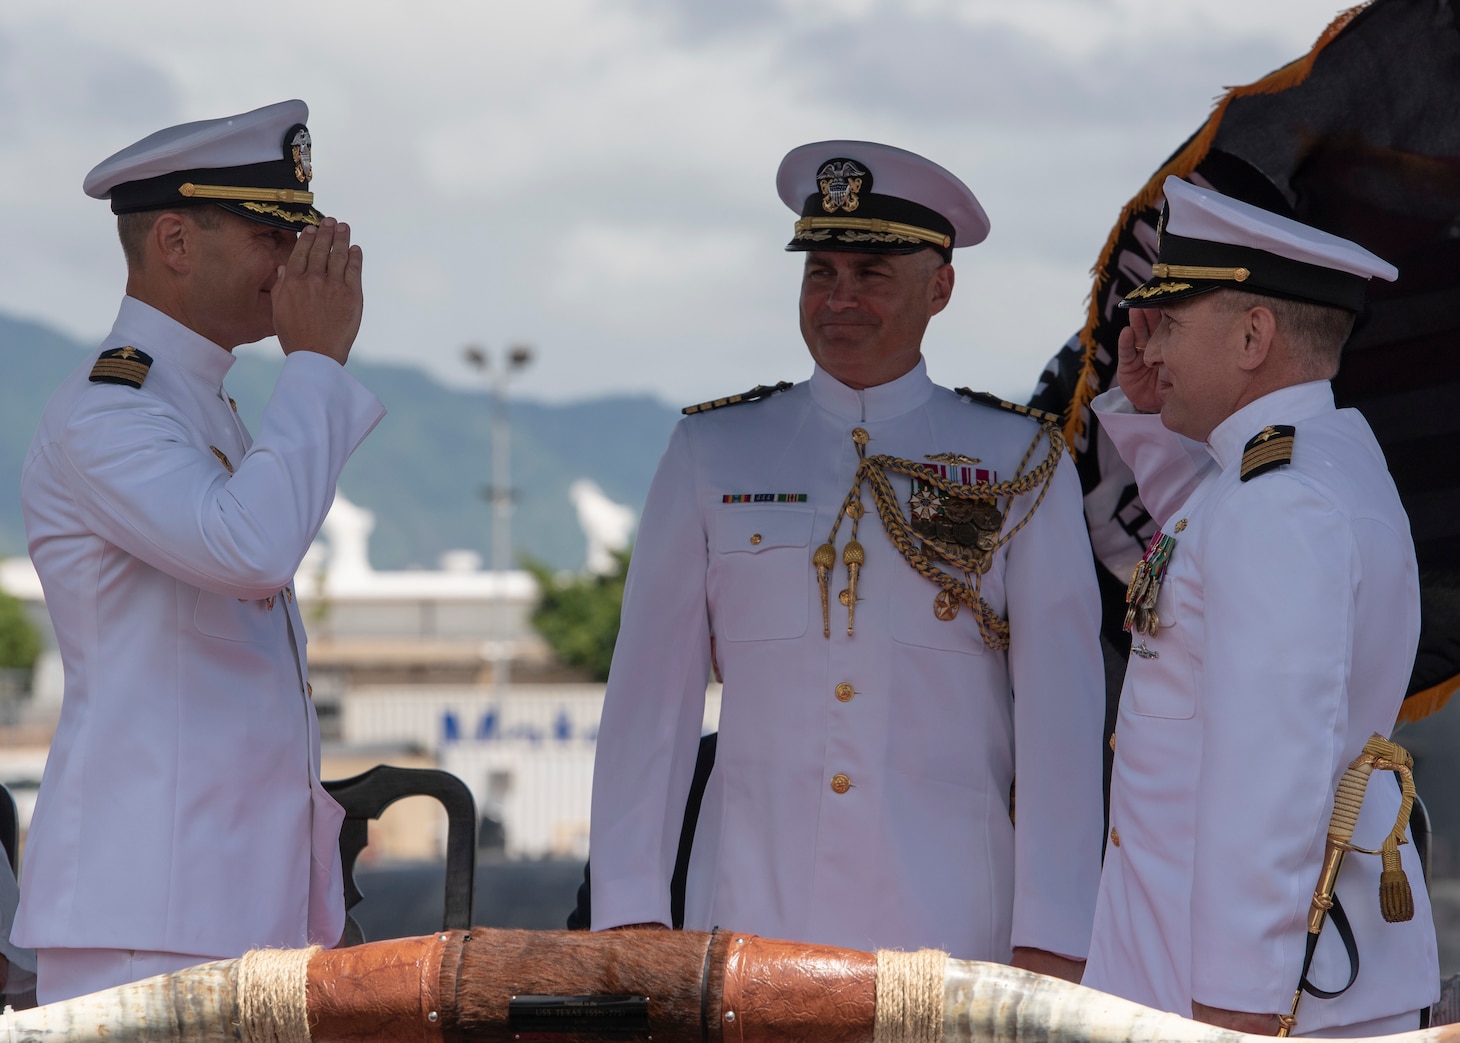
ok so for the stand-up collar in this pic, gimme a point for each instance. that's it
(162, 337)
(882, 402)
(1289, 405)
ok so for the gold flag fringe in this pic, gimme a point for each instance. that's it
(1432, 700)
(1181, 164)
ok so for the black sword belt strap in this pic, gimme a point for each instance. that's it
(1350, 946)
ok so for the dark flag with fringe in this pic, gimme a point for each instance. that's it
(1361, 138)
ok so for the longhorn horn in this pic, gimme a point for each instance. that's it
(682, 987)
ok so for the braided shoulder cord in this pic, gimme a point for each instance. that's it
(1012, 489)
(873, 471)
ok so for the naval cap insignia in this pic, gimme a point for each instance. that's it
(840, 181)
(299, 150)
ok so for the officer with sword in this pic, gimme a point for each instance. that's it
(1274, 621)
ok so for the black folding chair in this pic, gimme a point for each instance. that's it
(10, 828)
(365, 796)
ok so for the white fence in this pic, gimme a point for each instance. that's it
(526, 756)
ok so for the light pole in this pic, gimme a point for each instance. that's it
(499, 493)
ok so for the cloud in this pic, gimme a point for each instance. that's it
(52, 80)
(596, 176)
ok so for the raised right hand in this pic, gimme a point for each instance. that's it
(1133, 374)
(317, 296)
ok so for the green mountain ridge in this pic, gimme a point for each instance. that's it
(424, 469)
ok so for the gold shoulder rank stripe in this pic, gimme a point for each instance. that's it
(985, 399)
(755, 394)
(126, 366)
(1269, 449)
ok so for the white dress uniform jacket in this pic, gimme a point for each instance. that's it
(928, 731)
(181, 809)
(1289, 617)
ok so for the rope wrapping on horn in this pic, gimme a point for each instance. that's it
(909, 996)
(272, 1005)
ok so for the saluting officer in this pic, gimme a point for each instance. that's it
(181, 817)
(1274, 623)
(894, 583)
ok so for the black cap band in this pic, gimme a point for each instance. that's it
(847, 215)
(274, 192)
(1186, 267)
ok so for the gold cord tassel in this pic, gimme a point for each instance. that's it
(1396, 900)
(855, 558)
(824, 559)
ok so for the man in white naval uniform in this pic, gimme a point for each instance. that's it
(181, 817)
(873, 718)
(1275, 639)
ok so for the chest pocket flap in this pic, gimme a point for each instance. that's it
(761, 572)
(757, 530)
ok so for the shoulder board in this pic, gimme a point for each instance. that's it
(121, 366)
(1269, 449)
(985, 399)
(755, 394)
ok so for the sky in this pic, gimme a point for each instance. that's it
(595, 178)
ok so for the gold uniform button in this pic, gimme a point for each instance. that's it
(755, 540)
(840, 783)
(844, 692)
(1112, 742)
(1115, 836)
(309, 689)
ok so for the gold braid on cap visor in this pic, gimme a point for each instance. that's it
(1190, 271)
(250, 195)
(808, 225)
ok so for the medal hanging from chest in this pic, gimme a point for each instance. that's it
(956, 520)
(1145, 586)
(955, 524)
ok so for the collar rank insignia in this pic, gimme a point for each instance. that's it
(755, 394)
(1269, 449)
(840, 181)
(121, 366)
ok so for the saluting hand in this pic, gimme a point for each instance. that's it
(1134, 375)
(317, 297)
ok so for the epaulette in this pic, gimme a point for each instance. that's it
(1270, 448)
(755, 394)
(121, 366)
(984, 398)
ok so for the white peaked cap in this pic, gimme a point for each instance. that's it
(257, 164)
(904, 202)
(1202, 213)
(1210, 241)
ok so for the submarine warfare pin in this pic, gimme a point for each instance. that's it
(1145, 585)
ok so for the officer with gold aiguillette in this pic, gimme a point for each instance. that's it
(894, 582)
